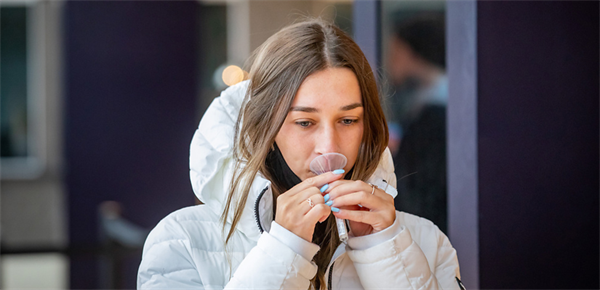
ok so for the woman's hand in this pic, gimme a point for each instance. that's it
(375, 213)
(296, 214)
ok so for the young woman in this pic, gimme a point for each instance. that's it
(267, 221)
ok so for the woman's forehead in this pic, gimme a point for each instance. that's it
(332, 87)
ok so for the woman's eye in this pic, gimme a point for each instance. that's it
(303, 124)
(348, 121)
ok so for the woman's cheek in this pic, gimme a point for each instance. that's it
(354, 139)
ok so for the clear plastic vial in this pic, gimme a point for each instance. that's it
(330, 162)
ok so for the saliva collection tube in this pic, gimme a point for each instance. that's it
(330, 162)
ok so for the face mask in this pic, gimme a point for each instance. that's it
(284, 177)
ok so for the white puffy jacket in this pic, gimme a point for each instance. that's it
(186, 248)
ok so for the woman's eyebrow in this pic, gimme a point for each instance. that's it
(304, 109)
(315, 110)
(351, 106)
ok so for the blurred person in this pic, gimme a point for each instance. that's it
(268, 221)
(417, 65)
(417, 68)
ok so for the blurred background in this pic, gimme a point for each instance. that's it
(492, 108)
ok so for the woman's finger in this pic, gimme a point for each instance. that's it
(297, 205)
(372, 198)
(360, 197)
(379, 220)
(319, 212)
(344, 187)
(317, 181)
(311, 201)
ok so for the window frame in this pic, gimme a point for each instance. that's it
(33, 165)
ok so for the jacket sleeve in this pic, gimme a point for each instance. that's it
(400, 263)
(168, 262)
(272, 265)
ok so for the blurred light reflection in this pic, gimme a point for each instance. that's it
(233, 75)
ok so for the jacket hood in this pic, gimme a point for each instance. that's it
(212, 164)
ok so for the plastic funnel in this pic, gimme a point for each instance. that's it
(328, 162)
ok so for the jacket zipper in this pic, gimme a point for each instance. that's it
(256, 216)
(330, 276)
(260, 228)
(336, 255)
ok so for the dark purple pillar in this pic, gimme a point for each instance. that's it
(538, 129)
(131, 81)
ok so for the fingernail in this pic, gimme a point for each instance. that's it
(339, 171)
(326, 197)
(325, 187)
(329, 203)
(335, 209)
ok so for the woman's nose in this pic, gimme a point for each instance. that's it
(327, 141)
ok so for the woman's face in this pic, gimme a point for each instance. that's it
(326, 116)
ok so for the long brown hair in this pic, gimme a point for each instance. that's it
(277, 69)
